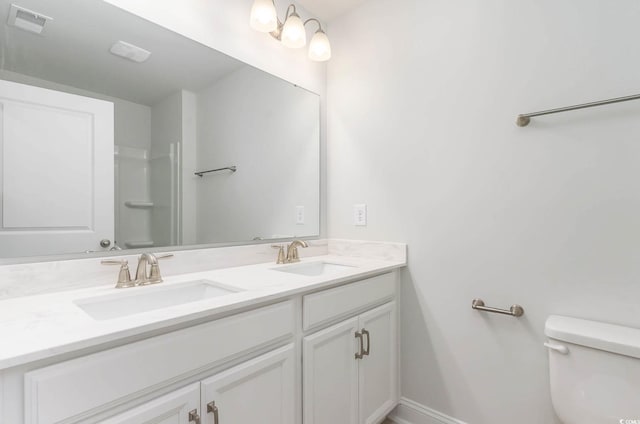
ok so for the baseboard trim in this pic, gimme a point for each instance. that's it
(411, 412)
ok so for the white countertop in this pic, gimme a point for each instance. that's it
(38, 327)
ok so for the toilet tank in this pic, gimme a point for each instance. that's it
(594, 371)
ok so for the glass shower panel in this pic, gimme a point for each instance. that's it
(165, 194)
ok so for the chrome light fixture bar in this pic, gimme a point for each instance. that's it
(291, 32)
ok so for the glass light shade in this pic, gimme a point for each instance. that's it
(319, 47)
(293, 33)
(264, 17)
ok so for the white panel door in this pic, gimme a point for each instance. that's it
(378, 368)
(172, 408)
(330, 375)
(56, 171)
(260, 391)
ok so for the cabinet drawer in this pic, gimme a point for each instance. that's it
(325, 306)
(83, 386)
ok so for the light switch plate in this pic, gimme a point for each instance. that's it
(360, 215)
(299, 215)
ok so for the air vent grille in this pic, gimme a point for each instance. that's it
(27, 20)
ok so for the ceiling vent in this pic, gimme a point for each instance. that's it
(129, 51)
(27, 20)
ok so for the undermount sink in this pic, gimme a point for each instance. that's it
(151, 298)
(315, 269)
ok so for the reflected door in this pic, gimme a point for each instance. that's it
(56, 173)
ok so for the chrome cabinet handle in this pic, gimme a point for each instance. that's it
(368, 349)
(213, 409)
(360, 354)
(194, 417)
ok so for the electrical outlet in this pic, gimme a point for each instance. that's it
(360, 215)
(299, 215)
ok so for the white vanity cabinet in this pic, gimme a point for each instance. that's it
(78, 390)
(261, 390)
(258, 391)
(350, 369)
(328, 356)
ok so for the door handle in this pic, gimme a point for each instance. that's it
(360, 354)
(213, 409)
(194, 417)
(368, 349)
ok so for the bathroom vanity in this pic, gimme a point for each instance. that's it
(182, 156)
(313, 342)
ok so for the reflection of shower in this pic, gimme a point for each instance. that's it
(133, 206)
(165, 192)
(147, 197)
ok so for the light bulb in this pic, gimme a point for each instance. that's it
(319, 47)
(264, 17)
(293, 33)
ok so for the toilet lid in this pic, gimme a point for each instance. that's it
(597, 335)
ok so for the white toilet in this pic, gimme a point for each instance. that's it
(595, 371)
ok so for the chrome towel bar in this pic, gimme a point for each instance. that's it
(524, 119)
(514, 311)
(226, 168)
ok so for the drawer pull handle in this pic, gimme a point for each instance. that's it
(194, 417)
(213, 409)
(368, 349)
(360, 354)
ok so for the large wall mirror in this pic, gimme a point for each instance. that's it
(109, 124)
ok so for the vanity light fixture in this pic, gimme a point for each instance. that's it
(291, 32)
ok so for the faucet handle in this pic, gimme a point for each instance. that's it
(154, 272)
(281, 257)
(124, 276)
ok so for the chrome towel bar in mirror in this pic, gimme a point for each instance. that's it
(226, 168)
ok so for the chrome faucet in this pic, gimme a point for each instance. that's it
(142, 277)
(292, 250)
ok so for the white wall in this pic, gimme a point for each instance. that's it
(269, 129)
(423, 97)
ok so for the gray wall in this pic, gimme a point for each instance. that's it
(423, 97)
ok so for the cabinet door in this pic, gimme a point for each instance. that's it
(172, 408)
(261, 391)
(330, 370)
(378, 370)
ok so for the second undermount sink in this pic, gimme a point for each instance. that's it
(315, 269)
(151, 298)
